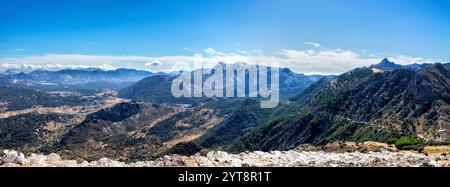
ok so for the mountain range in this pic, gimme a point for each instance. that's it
(382, 102)
(386, 65)
(89, 78)
(156, 89)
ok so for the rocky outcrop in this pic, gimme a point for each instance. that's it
(291, 158)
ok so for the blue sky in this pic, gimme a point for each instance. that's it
(304, 34)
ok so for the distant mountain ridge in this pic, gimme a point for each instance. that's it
(387, 65)
(82, 76)
(73, 79)
(157, 88)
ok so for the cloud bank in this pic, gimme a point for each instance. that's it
(309, 61)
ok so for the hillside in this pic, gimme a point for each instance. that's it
(133, 131)
(18, 98)
(155, 89)
(362, 105)
(30, 132)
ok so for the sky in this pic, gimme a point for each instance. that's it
(307, 36)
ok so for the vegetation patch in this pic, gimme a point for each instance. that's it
(408, 143)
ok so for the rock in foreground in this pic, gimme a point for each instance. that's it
(10, 158)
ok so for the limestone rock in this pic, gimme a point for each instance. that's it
(293, 158)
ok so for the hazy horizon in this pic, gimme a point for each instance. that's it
(310, 37)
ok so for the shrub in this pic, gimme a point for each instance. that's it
(391, 140)
(409, 143)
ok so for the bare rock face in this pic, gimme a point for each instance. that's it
(291, 158)
(8, 157)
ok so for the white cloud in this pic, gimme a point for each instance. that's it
(326, 61)
(311, 61)
(214, 52)
(317, 45)
(31, 67)
(402, 59)
(243, 52)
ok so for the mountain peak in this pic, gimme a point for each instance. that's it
(221, 64)
(386, 65)
(237, 64)
(386, 61)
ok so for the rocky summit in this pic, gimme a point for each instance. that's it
(382, 158)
